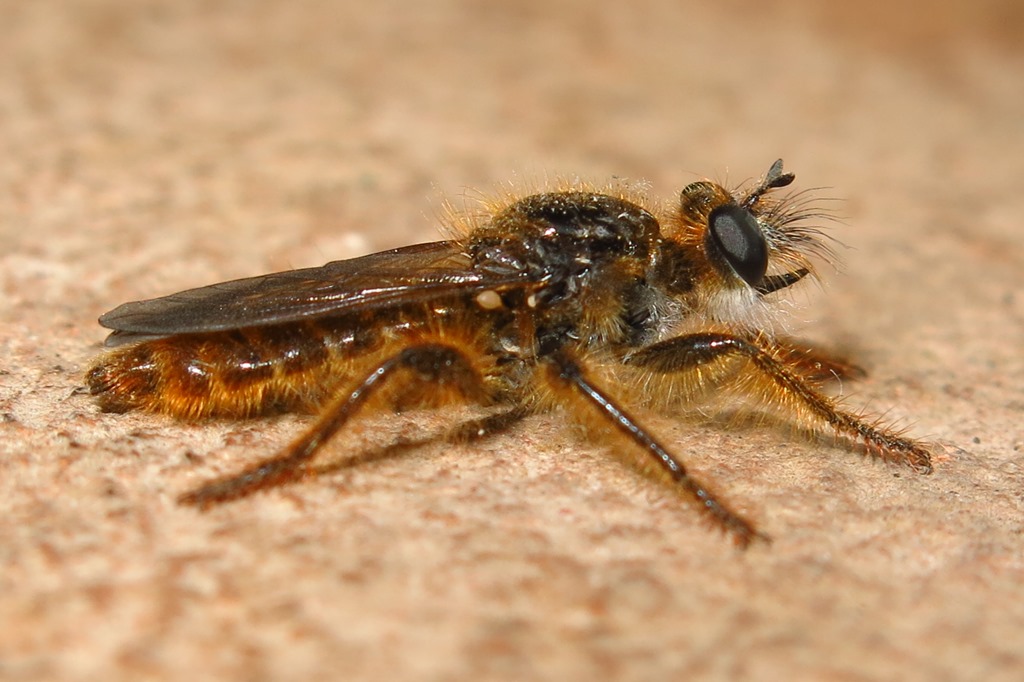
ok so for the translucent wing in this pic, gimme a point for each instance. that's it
(407, 275)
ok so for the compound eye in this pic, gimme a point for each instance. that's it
(735, 234)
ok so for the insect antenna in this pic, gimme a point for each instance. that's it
(774, 179)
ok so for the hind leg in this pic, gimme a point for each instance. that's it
(437, 364)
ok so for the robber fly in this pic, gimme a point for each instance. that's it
(595, 302)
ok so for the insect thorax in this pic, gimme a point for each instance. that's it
(589, 254)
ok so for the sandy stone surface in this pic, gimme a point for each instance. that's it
(153, 146)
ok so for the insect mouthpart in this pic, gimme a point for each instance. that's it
(735, 236)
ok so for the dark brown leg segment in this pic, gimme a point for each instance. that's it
(570, 374)
(470, 431)
(428, 363)
(783, 385)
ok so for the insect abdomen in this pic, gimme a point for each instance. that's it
(238, 373)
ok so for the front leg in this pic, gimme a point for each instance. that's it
(781, 384)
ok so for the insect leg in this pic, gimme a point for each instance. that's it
(429, 362)
(570, 374)
(780, 384)
(466, 432)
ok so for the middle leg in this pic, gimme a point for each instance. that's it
(567, 373)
